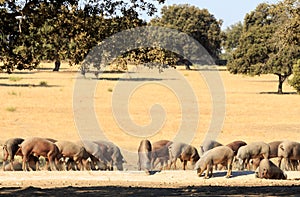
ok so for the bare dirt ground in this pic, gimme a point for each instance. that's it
(253, 113)
(164, 183)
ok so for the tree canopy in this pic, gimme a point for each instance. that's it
(269, 43)
(197, 23)
(36, 30)
(231, 37)
(295, 81)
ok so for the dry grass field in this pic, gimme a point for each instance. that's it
(253, 111)
(40, 103)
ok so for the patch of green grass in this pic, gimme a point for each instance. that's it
(12, 93)
(43, 83)
(11, 109)
(110, 89)
(15, 79)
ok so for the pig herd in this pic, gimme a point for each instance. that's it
(159, 155)
(62, 155)
(257, 156)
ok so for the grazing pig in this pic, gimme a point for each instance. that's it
(75, 152)
(289, 151)
(184, 152)
(235, 145)
(144, 155)
(115, 154)
(160, 152)
(268, 170)
(255, 162)
(273, 153)
(39, 147)
(218, 155)
(10, 148)
(106, 155)
(207, 145)
(251, 151)
(95, 152)
(274, 148)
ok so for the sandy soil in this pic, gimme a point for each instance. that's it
(253, 113)
(166, 183)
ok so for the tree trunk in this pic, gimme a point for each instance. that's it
(57, 65)
(281, 79)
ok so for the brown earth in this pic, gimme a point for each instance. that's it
(253, 113)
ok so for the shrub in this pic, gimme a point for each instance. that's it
(11, 109)
(12, 93)
(295, 81)
(44, 83)
(110, 89)
(15, 79)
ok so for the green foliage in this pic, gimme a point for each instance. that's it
(197, 23)
(295, 81)
(231, 36)
(109, 89)
(43, 83)
(15, 79)
(61, 30)
(269, 43)
(11, 109)
(193, 22)
(12, 93)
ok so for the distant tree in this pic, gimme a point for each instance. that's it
(197, 23)
(269, 43)
(231, 36)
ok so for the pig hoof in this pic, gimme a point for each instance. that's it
(147, 172)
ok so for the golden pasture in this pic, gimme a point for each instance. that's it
(40, 103)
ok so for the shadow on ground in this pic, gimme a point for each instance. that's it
(141, 191)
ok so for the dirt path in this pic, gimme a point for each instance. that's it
(167, 183)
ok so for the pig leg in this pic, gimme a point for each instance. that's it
(200, 171)
(207, 171)
(24, 163)
(211, 171)
(184, 164)
(229, 167)
(51, 158)
(279, 162)
(11, 159)
(247, 164)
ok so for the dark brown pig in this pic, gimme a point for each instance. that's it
(160, 153)
(10, 148)
(184, 152)
(39, 147)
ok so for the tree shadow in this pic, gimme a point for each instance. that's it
(209, 69)
(129, 79)
(153, 191)
(27, 85)
(276, 93)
